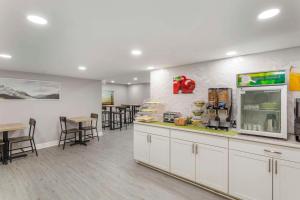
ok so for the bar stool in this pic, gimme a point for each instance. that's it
(105, 119)
(129, 113)
(123, 112)
(117, 120)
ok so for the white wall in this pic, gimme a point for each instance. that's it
(129, 94)
(120, 92)
(138, 93)
(221, 73)
(79, 97)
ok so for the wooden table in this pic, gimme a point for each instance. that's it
(79, 121)
(5, 129)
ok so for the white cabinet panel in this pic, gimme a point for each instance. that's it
(286, 180)
(250, 176)
(276, 151)
(141, 146)
(153, 130)
(212, 167)
(182, 159)
(160, 152)
(200, 138)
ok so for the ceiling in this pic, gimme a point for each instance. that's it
(100, 34)
(133, 78)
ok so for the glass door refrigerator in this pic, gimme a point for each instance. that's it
(262, 104)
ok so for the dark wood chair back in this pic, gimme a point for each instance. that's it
(94, 116)
(32, 124)
(63, 123)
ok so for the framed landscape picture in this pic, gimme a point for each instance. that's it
(108, 97)
(11, 89)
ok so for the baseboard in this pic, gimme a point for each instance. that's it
(54, 143)
(47, 144)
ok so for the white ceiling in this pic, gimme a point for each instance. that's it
(100, 34)
(142, 77)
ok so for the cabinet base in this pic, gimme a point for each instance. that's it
(227, 196)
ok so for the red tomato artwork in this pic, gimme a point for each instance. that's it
(183, 84)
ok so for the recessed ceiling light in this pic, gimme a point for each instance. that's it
(150, 68)
(5, 56)
(82, 68)
(37, 19)
(231, 53)
(112, 81)
(135, 78)
(136, 52)
(268, 14)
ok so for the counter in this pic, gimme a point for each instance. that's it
(221, 161)
(229, 134)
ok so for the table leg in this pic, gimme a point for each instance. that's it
(110, 119)
(80, 141)
(125, 120)
(132, 114)
(5, 147)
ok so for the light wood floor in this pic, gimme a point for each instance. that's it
(104, 170)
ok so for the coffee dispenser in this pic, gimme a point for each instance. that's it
(219, 108)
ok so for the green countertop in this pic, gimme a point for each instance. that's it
(196, 128)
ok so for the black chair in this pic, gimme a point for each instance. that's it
(28, 138)
(66, 132)
(92, 127)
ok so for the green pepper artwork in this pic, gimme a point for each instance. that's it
(261, 79)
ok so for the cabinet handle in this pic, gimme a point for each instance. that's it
(193, 148)
(276, 167)
(269, 151)
(150, 138)
(196, 148)
(270, 165)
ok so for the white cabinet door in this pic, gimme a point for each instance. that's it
(183, 159)
(250, 176)
(160, 152)
(141, 146)
(286, 176)
(212, 167)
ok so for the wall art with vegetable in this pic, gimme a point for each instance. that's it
(184, 85)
